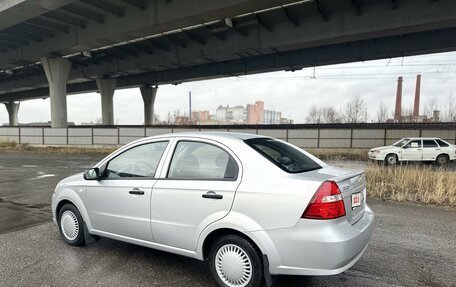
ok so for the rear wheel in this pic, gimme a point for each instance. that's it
(71, 225)
(234, 262)
(391, 159)
(442, 159)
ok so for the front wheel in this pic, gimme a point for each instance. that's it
(391, 159)
(234, 262)
(71, 225)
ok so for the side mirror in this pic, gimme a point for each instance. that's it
(92, 174)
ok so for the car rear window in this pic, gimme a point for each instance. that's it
(442, 143)
(284, 156)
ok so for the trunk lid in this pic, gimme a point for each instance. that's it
(351, 183)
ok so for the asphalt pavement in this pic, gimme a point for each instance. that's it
(412, 245)
(27, 182)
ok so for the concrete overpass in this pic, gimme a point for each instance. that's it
(67, 47)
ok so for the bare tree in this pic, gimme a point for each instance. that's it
(431, 106)
(314, 115)
(323, 115)
(356, 110)
(330, 115)
(382, 114)
(407, 114)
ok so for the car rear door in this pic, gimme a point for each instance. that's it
(196, 187)
(430, 149)
(119, 203)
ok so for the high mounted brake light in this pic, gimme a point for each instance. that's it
(327, 203)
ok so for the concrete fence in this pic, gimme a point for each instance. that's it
(305, 136)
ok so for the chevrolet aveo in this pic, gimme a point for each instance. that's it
(252, 206)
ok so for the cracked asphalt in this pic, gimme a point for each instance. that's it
(412, 245)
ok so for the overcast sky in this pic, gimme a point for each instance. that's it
(292, 93)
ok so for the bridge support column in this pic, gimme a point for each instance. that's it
(148, 94)
(13, 109)
(57, 71)
(106, 87)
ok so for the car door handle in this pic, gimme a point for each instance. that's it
(213, 195)
(136, 191)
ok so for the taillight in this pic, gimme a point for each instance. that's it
(327, 203)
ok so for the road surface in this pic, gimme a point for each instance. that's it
(412, 245)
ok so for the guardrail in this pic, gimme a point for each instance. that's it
(360, 136)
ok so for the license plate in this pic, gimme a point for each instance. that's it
(356, 199)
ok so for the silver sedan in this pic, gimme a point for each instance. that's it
(252, 206)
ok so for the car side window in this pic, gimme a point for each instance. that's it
(442, 143)
(198, 160)
(414, 144)
(139, 161)
(429, 143)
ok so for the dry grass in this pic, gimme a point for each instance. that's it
(340, 154)
(422, 184)
(12, 147)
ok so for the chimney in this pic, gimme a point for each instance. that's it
(416, 106)
(398, 110)
(436, 116)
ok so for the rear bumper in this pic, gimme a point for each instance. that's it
(315, 247)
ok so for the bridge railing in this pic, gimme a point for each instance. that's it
(361, 136)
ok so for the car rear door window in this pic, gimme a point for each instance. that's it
(283, 155)
(429, 143)
(138, 162)
(201, 161)
(442, 143)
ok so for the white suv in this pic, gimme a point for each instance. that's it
(415, 149)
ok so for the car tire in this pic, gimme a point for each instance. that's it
(442, 160)
(234, 261)
(71, 225)
(391, 159)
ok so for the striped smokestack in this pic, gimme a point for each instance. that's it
(398, 110)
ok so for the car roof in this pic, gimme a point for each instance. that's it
(422, 138)
(212, 135)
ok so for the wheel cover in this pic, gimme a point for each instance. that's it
(70, 225)
(233, 266)
(391, 159)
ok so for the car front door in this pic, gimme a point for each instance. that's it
(412, 151)
(430, 150)
(196, 189)
(119, 203)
